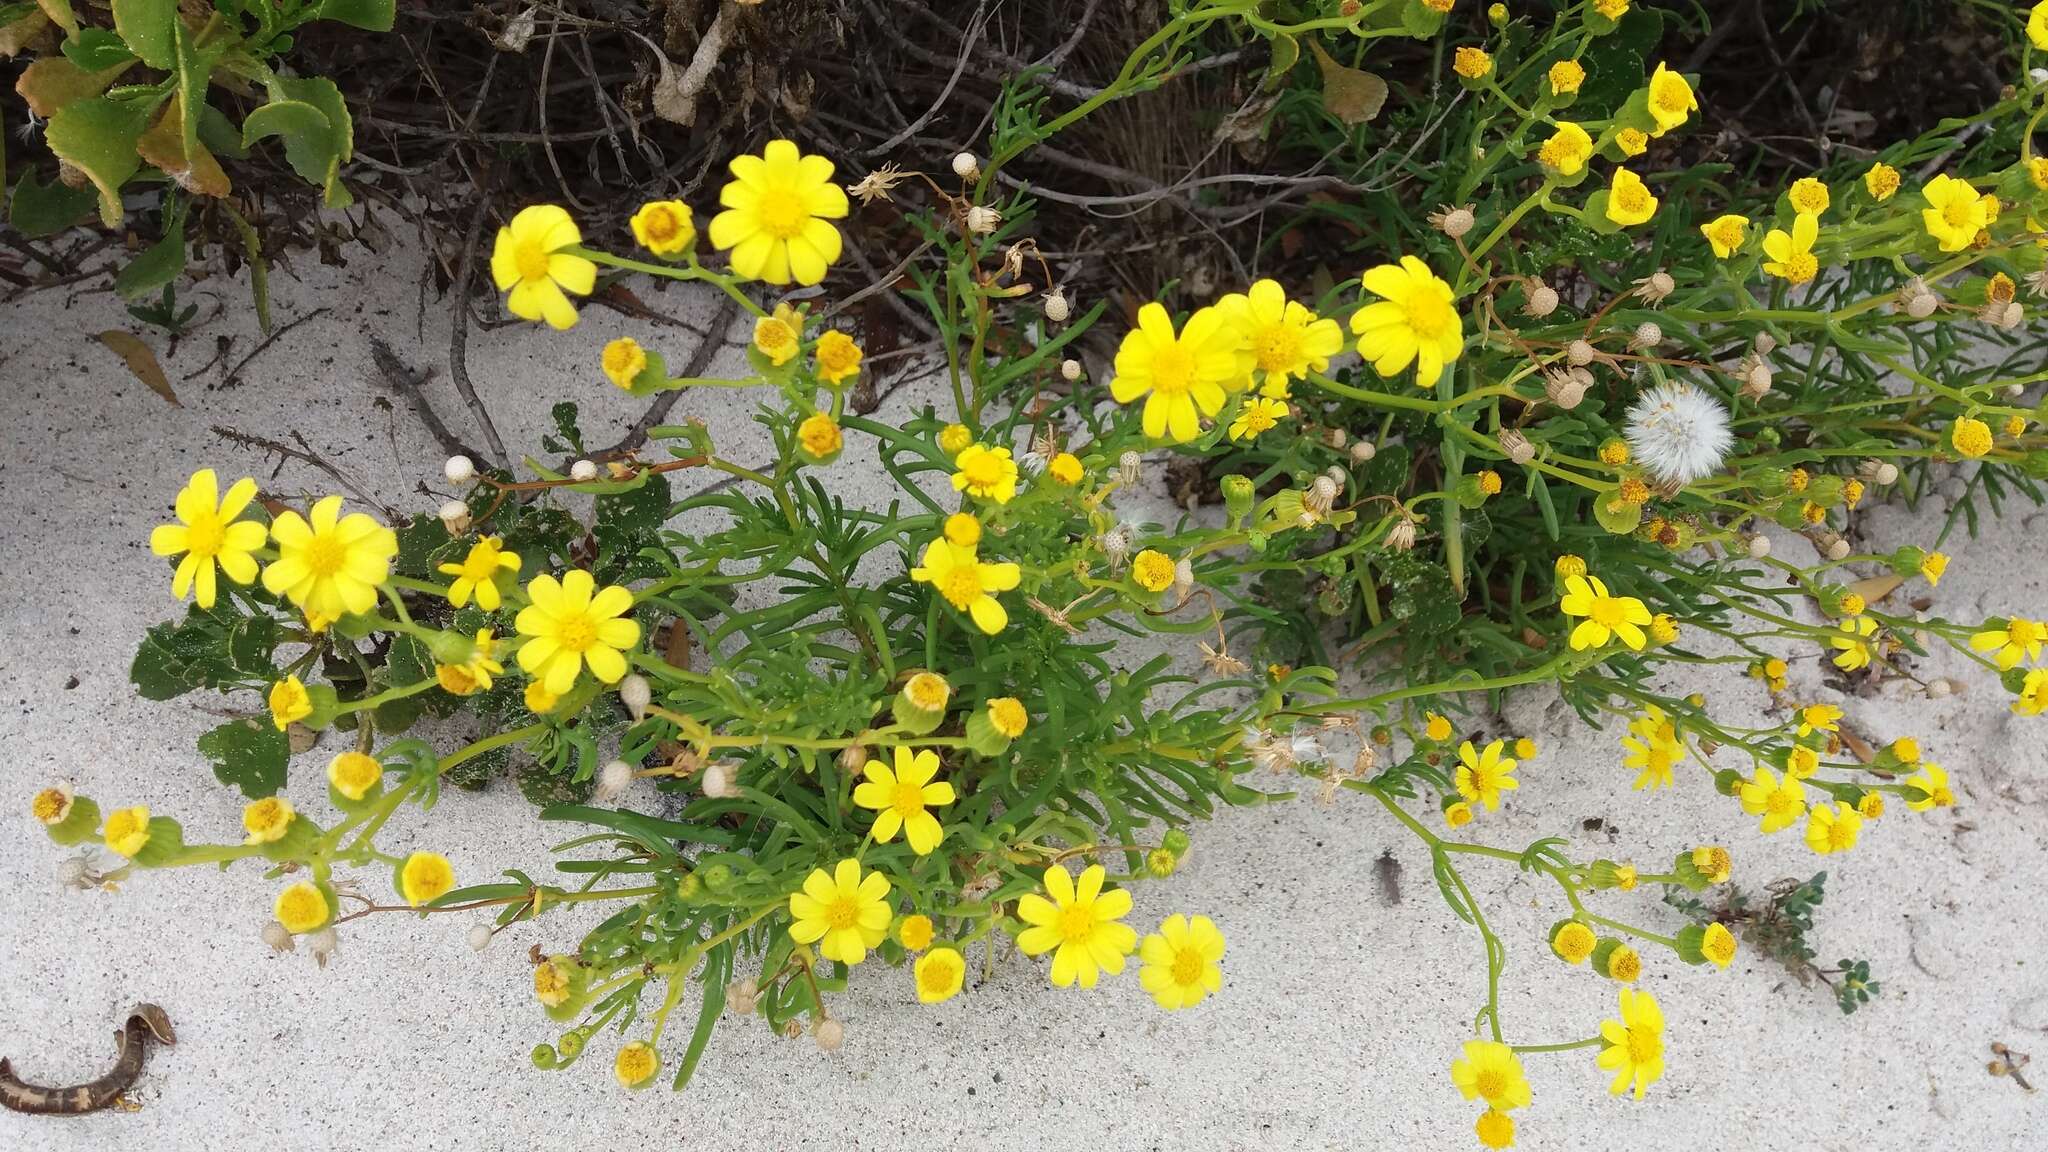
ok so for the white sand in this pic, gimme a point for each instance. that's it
(1336, 1025)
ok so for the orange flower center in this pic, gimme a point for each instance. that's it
(781, 212)
(660, 224)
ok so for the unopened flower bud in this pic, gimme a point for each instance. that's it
(853, 758)
(1070, 370)
(583, 470)
(1647, 335)
(1363, 451)
(459, 469)
(1539, 300)
(981, 219)
(829, 1034)
(1127, 468)
(636, 694)
(1056, 308)
(278, 937)
(454, 517)
(1579, 353)
(1516, 446)
(966, 167)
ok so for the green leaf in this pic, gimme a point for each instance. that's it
(145, 25)
(311, 142)
(371, 15)
(627, 523)
(45, 209)
(93, 49)
(60, 14)
(157, 265)
(1615, 64)
(249, 755)
(215, 649)
(98, 135)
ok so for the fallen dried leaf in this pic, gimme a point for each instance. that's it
(141, 361)
(1351, 95)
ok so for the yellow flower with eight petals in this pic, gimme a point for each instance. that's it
(967, 583)
(1080, 925)
(1179, 961)
(985, 473)
(1955, 213)
(569, 624)
(1414, 322)
(1182, 376)
(844, 913)
(332, 565)
(209, 536)
(900, 798)
(1781, 802)
(1606, 616)
(531, 260)
(1635, 1043)
(1260, 414)
(1490, 1071)
(2020, 637)
(1482, 776)
(1287, 341)
(1832, 829)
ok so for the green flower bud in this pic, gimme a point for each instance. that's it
(982, 737)
(166, 840)
(1572, 941)
(1825, 490)
(1161, 863)
(68, 819)
(717, 878)
(1238, 497)
(452, 648)
(1175, 841)
(1606, 874)
(1728, 782)
(1617, 516)
(1906, 561)
(544, 1057)
(921, 706)
(325, 705)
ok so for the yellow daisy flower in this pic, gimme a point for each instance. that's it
(838, 357)
(209, 536)
(475, 576)
(1820, 718)
(1781, 802)
(901, 798)
(1183, 376)
(1482, 776)
(569, 624)
(1436, 727)
(1567, 149)
(1065, 469)
(985, 473)
(1970, 437)
(779, 334)
(1496, 1129)
(622, 361)
(425, 877)
(1606, 616)
(1791, 254)
(1726, 234)
(1490, 1071)
(844, 913)
(1629, 201)
(938, 974)
(530, 261)
(1929, 788)
(289, 702)
(1653, 748)
(915, 932)
(2019, 638)
(333, 564)
(353, 774)
(1153, 570)
(2033, 695)
(1287, 341)
(1414, 322)
(1178, 962)
(636, 1065)
(267, 820)
(665, 227)
(1566, 76)
(1260, 414)
(777, 212)
(1955, 213)
(2037, 27)
(474, 674)
(1854, 647)
(1635, 1043)
(1671, 99)
(819, 436)
(1832, 829)
(1079, 924)
(1809, 196)
(967, 583)
(127, 830)
(302, 908)
(1882, 181)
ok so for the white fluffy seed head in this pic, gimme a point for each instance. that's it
(454, 517)
(1070, 370)
(829, 1034)
(612, 782)
(1759, 547)
(981, 219)
(1056, 307)
(718, 782)
(459, 469)
(583, 470)
(1363, 451)
(1678, 433)
(966, 167)
(636, 694)
(480, 937)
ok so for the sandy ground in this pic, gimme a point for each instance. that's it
(1341, 1011)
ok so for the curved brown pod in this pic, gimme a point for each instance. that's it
(145, 1022)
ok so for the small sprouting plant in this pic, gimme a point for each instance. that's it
(1778, 928)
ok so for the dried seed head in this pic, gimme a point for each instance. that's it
(612, 782)
(1056, 308)
(1338, 476)
(1070, 370)
(1759, 547)
(1127, 468)
(74, 872)
(278, 937)
(1878, 472)
(1756, 379)
(1656, 286)
(853, 758)
(1452, 222)
(1565, 389)
(1516, 446)
(1579, 354)
(1540, 299)
(480, 937)
(1939, 687)
(829, 1034)
(1838, 549)
(740, 996)
(459, 469)
(2008, 315)
(1363, 451)
(1646, 335)
(583, 470)
(323, 944)
(1320, 496)
(718, 783)
(982, 220)
(966, 167)
(636, 694)
(1401, 537)
(1765, 343)
(454, 517)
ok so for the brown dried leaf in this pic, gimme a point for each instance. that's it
(141, 361)
(164, 146)
(1876, 588)
(51, 82)
(1351, 95)
(1858, 745)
